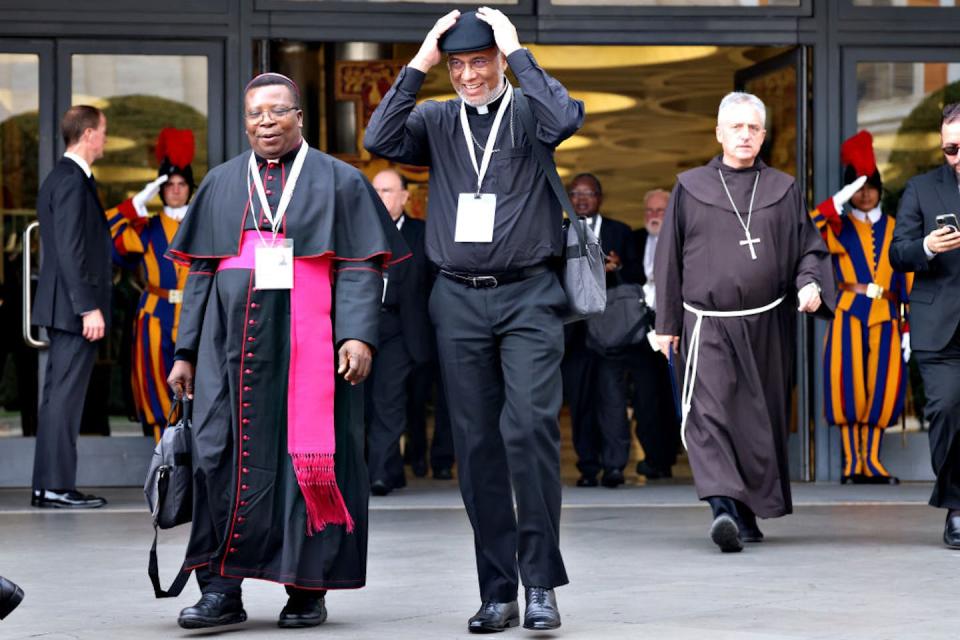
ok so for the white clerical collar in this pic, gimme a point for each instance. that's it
(80, 161)
(873, 215)
(484, 109)
(176, 213)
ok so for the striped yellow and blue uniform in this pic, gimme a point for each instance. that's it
(863, 367)
(142, 242)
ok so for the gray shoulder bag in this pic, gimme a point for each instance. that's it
(584, 279)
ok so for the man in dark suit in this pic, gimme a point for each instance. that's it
(928, 247)
(72, 302)
(404, 341)
(596, 383)
(657, 425)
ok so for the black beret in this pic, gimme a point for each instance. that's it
(468, 34)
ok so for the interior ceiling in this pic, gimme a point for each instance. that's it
(653, 118)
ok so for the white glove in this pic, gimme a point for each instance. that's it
(843, 196)
(905, 346)
(147, 194)
(808, 298)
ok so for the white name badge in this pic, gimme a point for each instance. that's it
(475, 217)
(273, 266)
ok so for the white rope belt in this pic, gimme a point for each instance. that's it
(693, 354)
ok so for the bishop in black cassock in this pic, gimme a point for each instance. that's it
(737, 239)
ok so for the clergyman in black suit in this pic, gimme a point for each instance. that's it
(598, 406)
(72, 302)
(928, 247)
(657, 423)
(404, 341)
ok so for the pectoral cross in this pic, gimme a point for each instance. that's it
(749, 242)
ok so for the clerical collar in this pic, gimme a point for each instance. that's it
(286, 158)
(873, 215)
(490, 107)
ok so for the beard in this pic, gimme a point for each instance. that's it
(489, 95)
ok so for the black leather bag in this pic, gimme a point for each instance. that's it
(169, 488)
(624, 323)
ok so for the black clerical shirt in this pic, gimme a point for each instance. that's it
(527, 229)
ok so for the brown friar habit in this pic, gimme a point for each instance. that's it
(736, 431)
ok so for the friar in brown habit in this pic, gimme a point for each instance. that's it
(736, 250)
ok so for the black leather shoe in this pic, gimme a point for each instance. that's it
(213, 610)
(888, 480)
(65, 499)
(443, 473)
(726, 534)
(10, 597)
(652, 473)
(541, 613)
(494, 616)
(612, 478)
(587, 481)
(951, 530)
(379, 488)
(303, 612)
(747, 523)
(419, 468)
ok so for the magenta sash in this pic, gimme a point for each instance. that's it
(311, 436)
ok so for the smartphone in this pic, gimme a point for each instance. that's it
(948, 220)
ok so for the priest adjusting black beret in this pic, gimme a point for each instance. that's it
(469, 34)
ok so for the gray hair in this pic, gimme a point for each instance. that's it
(739, 97)
(655, 192)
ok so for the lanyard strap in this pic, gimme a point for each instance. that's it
(491, 138)
(285, 196)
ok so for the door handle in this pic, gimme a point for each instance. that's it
(27, 298)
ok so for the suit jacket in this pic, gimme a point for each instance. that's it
(616, 236)
(75, 273)
(935, 297)
(639, 246)
(408, 289)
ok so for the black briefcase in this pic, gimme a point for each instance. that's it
(624, 323)
(169, 487)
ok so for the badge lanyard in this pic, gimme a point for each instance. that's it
(491, 138)
(285, 196)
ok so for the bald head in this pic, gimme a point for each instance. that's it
(392, 189)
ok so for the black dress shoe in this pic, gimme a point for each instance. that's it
(443, 473)
(612, 478)
(951, 530)
(888, 480)
(587, 481)
(379, 488)
(10, 597)
(213, 610)
(726, 534)
(652, 473)
(541, 613)
(303, 612)
(747, 523)
(419, 468)
(65, 499)
(494, 616)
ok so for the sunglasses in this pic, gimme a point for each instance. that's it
(951, 149)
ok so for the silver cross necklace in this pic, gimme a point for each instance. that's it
(750, 241)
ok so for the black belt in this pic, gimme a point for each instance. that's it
(490, 280)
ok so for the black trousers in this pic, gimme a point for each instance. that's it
(426, 382)
(579, 384)
(610, 406)
(500, 351)
(657, 424)
(70, 359)
(941, 383)
(388, 403)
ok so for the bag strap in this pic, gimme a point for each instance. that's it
(545, 160)
(154, 572)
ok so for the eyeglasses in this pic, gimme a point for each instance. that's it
(456, 65)
(582, 194)
(276, 113)
(951, 149)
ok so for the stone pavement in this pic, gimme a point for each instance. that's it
(852, 562)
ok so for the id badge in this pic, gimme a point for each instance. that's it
(273, 266)
(475, 217)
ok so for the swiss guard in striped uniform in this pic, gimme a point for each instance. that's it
(140, 240)
(863, 364)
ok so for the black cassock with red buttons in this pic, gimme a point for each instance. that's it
(249, 515)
